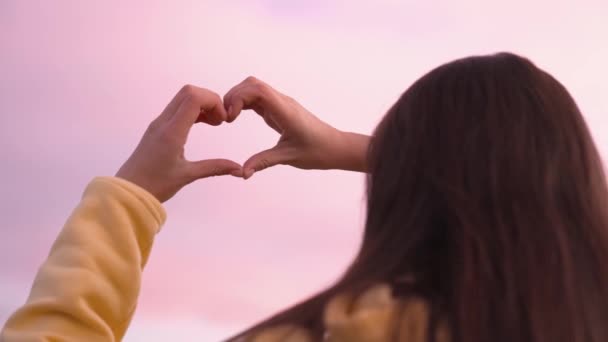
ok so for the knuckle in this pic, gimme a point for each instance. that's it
(289, 99)
(251, 80)
(153, 126)
(263, 89)
(188, 89)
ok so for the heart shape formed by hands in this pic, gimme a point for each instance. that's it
(158, 163)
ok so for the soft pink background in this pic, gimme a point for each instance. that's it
(80, 80)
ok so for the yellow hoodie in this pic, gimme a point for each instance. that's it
(87, 288)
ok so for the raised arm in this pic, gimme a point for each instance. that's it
(87, 288)
(306, 142)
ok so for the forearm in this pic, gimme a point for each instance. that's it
(351, 152)
(87, 288)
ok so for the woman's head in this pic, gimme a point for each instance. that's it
(486, 186)
(487, 197)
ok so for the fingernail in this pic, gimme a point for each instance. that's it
(229, 112)
(237, 173)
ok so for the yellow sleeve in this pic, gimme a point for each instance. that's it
(87, 288)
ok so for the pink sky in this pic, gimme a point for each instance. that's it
(80, 81)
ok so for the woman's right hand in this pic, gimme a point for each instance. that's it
(306, 142)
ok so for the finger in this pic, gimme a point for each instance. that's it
(252, 94)
(174, 104)
(199, 105)
(235, 106)
(203, 117)
(233, 109)
(213, 167)
(228, 98)
(262, 100)
(264, 160)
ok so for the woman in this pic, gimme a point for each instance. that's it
(486, 216)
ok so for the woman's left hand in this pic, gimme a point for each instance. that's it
(158, 163)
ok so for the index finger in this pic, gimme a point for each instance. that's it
(197, 103)
(251, 94)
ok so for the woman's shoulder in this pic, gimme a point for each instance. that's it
(375, 315)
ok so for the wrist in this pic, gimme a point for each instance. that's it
(126, 173)
(351, 151)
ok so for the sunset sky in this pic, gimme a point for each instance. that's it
(81, 80)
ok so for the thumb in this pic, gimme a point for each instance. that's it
(264, 160)
(213, 167)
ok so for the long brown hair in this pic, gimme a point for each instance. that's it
(485, 185)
